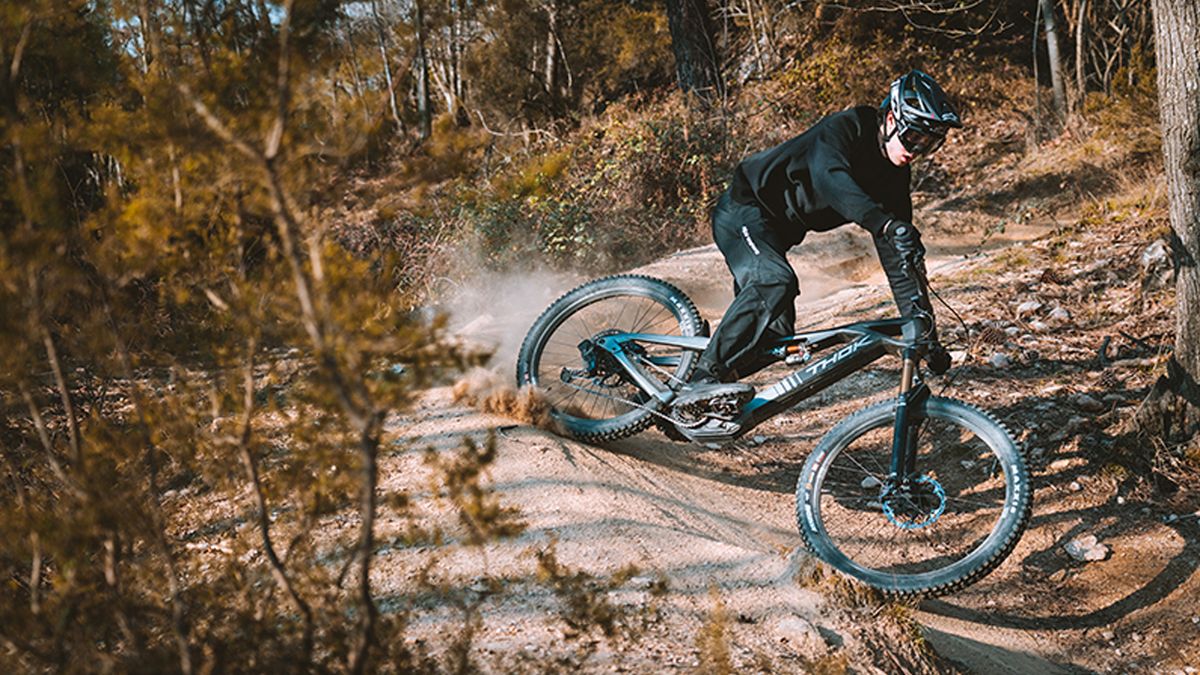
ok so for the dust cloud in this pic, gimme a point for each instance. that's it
(493, 392)
(490, 314)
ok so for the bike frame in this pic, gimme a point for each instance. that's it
(865, 342)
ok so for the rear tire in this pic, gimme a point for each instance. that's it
(948, 532)
(624, 303)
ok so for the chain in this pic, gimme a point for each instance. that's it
(619, 399)
(612, 397)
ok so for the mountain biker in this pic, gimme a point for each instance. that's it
(851, 166)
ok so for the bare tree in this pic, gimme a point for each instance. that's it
(421, 64)
(1177, 32)
(1056, 76)
(381, 37)
(696, 63)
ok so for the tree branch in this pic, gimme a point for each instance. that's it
(44, 436)
(65, 395)
(278, 572)
(14, 68)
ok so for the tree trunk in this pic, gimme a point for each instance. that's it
(1056, 76)
(697, 68)
(1080, 79)
(1177, 32)
(551, 71)
(381, 36)
(424, 107)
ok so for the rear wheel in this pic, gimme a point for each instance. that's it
(592, 397)
(956, 521)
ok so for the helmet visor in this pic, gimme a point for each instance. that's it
(920, 142)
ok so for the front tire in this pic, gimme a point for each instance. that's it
(955, 525)
(606, 410)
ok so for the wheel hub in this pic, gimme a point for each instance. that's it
(916, 504)
(599, 365)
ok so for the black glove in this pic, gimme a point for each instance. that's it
(938, 359)
(905, 239)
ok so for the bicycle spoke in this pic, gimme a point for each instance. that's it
(940, 527)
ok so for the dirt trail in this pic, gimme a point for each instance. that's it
(653, 504)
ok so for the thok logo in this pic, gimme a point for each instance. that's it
(841, 355)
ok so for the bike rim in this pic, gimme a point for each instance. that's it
(944, 528)
(588, 399)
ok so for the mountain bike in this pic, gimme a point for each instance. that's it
(918, 495)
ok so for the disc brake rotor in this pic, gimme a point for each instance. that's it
(916, 505)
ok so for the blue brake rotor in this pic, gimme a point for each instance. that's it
(928, 519)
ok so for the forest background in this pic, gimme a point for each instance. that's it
(225, 222)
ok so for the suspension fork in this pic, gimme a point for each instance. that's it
(909, 405)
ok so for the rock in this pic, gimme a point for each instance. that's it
(1155, 256)
(1075, 486)
(1028, 307)
(799, 635)
(1087, 549)
(1000, 360)
(1108, 635)
(871, 482)
(1113, 399)
(1059, 464)
(958, 357)
(1039, 326)
(760, 439)
(1120, 501)
(1012, 331)
(1087, 403)
(1060, 315)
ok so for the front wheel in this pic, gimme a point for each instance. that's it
(953, 523)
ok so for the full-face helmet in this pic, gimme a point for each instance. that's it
(922, 112)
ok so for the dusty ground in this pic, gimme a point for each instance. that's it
(676, 557)
(718, 523)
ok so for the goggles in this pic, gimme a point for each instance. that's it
(919, 142)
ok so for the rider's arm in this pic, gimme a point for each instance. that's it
(832, 179)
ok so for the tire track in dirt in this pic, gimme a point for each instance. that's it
(644, 503)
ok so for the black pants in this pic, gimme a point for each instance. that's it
(765, 287)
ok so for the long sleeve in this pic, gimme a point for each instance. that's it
(829, 166)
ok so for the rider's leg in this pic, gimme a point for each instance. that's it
(765, 283)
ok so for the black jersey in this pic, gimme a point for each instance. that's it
(834, 173)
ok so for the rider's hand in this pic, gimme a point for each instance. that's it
(938, 359)
(905, 239)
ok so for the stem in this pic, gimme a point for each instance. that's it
(44, 436)
(65, 395)
(158, 535)
(264, 523)
(369, 447)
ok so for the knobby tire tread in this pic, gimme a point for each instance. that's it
(998, 553)
(543, 326)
